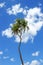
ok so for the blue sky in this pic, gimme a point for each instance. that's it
(32, 42)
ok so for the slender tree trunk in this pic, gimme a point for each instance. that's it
(20, 52)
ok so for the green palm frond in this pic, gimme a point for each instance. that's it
(19, 26)
(15, 28)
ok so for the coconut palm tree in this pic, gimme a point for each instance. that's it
(19, 28)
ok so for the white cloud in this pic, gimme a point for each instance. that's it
(34, 16)
(27, 63)
(7, 33)
(1, 52)
(5, 57)
(35, 53)
(35, 62)
(11, 25)
(33, 13)
(24, 11)
(12, 59)
(24, 37)
(2, 4)
(35, 21)
(15, 9)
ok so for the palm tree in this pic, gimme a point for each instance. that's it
(18, 28)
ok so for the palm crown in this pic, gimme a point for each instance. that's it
(19, 26)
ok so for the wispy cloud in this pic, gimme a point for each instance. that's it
(40, 4)
(35, 53)
(1, 52)
(12, 59)
(5, 57)
(2, 4)
(41, 60)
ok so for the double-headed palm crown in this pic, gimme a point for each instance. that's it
(19, 26)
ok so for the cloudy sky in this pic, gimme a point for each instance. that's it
(32, 41)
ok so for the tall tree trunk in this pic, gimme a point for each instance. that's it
(20, 52)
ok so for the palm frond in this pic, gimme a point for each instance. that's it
(19, 26)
